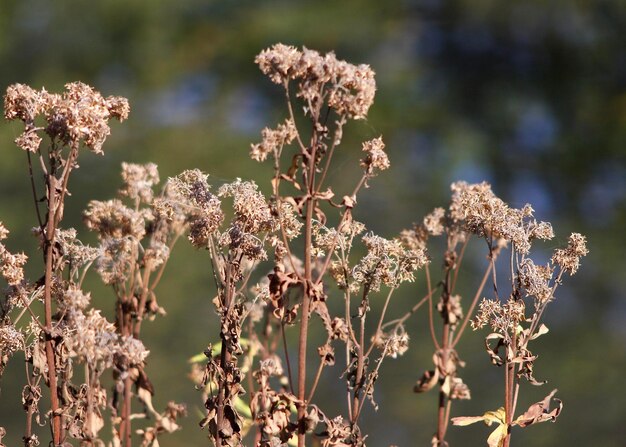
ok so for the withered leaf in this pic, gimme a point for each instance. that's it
(540, 412)
(493, 352)
(427, 381)
(496, 438)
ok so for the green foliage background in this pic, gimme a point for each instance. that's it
(528, 95)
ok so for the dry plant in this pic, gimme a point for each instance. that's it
(476, 211)
(134, 247)
(317, 266)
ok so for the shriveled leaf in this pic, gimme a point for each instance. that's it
(427, 381)
(498, 416)
(496, 438)
(145, 396)
(466, 420)
(493, 352)
(39, 357)
(543, 329)
(540, 412)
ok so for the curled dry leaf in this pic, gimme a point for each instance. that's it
(494, 352)
(496, 438)
(540, 412)
(427, 381)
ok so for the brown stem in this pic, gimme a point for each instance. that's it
(442, 422)
(50, 354)
(431, 321)
(289, 375)
(304, 325)
(34, 190)
(306, 299)
(317, 379)
(225, 355)
(126, 412)
(145, 289)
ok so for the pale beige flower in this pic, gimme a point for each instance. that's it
(376, 158)
(569, 258)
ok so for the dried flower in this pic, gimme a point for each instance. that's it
(114, 262)
(252, 213)
(74, 298)
(569, 258)
(113, 219)
(501, 318)
(376, 157)
(288, 220)
(485, 214)
(23, 103)
(392, 344)
(351, 89)
(386, 262)
(189, 193)
(536, 279)
(11, 340)
(435, 221)
(80, 114)
(90, 337)
(273, 140)
(12, 266)
(133, 350)
(139, 181)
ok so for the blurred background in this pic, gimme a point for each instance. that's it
(530, 96)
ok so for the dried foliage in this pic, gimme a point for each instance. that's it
(314, 261)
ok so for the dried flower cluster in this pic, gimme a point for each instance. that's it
(80, 114)
(349, 89)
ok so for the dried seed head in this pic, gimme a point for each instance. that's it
(536, 280)
(113, 219)
(11, 340)
(569, 258)
(133, 350)
(80, 114)
(376, 158)
(392, 344)
(288, 220)
(73, 298)
(350, 88)
(273, 140)
(252, 213)
(90, 337)
(501, 318)
(486, 214)
(12, 266)
(115, 260)
(189, 196)
(139, 181)
(434, 222)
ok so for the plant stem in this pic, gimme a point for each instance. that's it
(50, 354)
(443, 410)
(225, 355)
